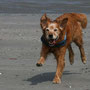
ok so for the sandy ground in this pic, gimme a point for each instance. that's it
(19, 51)
(44, 6)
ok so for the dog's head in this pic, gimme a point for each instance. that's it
(52, 29)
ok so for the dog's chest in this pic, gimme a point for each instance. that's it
(53, 50)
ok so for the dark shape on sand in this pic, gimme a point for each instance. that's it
(12, 58)
(44, 77)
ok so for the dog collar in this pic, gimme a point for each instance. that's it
(62, 43)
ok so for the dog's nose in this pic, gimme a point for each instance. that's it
(50, 36)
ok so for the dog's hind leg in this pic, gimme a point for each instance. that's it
(71, 54)
(79, 43)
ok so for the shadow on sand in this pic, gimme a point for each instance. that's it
(44, 77)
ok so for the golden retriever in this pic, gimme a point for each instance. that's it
(58, 36)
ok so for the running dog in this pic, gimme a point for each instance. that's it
(58, 36)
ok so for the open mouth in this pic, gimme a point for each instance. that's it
(52, 41)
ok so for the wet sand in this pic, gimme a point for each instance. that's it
(44, 6)
(19, 51)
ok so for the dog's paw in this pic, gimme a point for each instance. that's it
(57, 81)
(71, 59)
(39, 64)
(84, 59)
(71, 62)
(84, 62)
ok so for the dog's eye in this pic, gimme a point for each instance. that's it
(47, 29)
(55, 29)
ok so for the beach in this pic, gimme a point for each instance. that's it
(19, 51)
(20, 47)
(44, 6)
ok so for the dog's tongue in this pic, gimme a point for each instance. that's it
(52, 42)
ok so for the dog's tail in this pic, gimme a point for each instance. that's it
(82, 18)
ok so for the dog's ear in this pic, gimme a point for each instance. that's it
(44, 21)
(63, 23)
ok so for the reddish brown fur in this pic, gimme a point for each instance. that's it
(73, 29)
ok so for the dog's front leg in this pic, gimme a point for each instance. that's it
(60, 64)
(43, 55)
